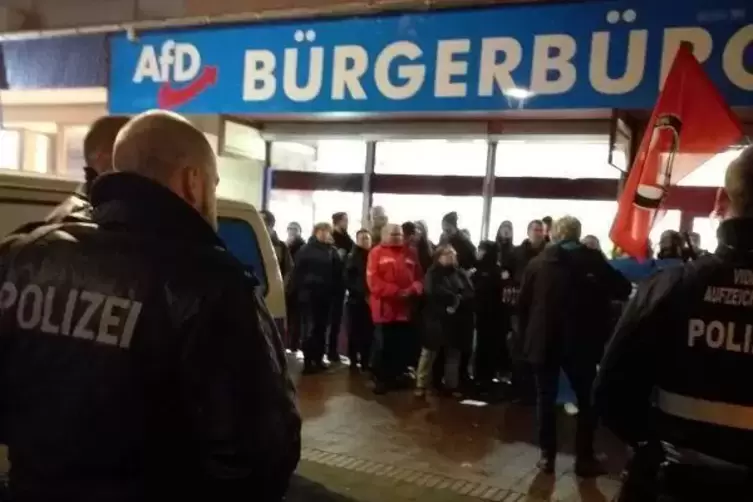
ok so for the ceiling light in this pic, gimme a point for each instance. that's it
(518, 93)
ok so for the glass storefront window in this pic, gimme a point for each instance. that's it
(42, 145)
(324, 156)
(308, 208)
(706, 228)
(711, 173)
(10, 149)
(554, 158)
(596, 216)
(431, 208)
(74, 152)
(670, 221)
(438, 157)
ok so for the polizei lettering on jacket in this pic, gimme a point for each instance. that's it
(721, 335)
(401, 70)
(84, 314)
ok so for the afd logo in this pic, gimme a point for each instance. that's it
(174, 63)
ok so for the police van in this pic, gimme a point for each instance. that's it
(26, 197)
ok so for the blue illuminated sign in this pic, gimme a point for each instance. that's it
(609, 54)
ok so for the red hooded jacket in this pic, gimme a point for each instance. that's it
(393, 275)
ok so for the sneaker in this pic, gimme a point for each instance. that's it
(589, 468)
(323, 366)
(546, 464)
(420, 393)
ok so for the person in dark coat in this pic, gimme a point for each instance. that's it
(466, 254)
(547, 221)
(564, 311)
(491, 332)
(592, 242)
(452, 235)
(530, 248)
(448, 318)
(524, 388)
(343, 242)
(671, 246)
(137, 360)
(343, 245)
(360, 325)
(424, 246)
(316, 280)
(284, 260)
(505, 246)
(294, 241)
(98, 146)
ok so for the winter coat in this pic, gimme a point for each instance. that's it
(393, 278)
(355, 275)
(447, 287)
(523, 254)
(464, 248)
(295, 246)
(565, 304)
(318, 272)
(343, 243)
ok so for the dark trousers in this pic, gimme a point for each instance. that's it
(360, 332)
(315, 315)
(492, 355)
(392, 348)
(581, 375)
(437, 370)
(294, 324)
(335, 325)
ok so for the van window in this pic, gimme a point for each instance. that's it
(241, 240)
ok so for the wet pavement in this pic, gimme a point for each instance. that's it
(451, 449)
(358, 447)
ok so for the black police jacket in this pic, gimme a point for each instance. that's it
(137, 362)
(78, 203)
(679, 366)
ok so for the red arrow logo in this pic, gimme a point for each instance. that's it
(168, 97)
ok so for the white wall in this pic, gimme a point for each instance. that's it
(241, 179)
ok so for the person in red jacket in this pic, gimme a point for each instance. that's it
(393, 276)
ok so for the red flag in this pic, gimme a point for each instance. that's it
(690, 124)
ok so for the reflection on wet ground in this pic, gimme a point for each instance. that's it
(481, 451)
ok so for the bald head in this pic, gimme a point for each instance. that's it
(738, 183)
(157, 143)
(378, 217)
(392, 234)
(166, 148)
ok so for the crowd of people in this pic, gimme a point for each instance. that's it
(458, 319)
(136, 352)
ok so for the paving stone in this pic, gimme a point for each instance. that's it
(441, 445)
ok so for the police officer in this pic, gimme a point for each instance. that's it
(675, 381)
(136, 361)
(98, 144)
